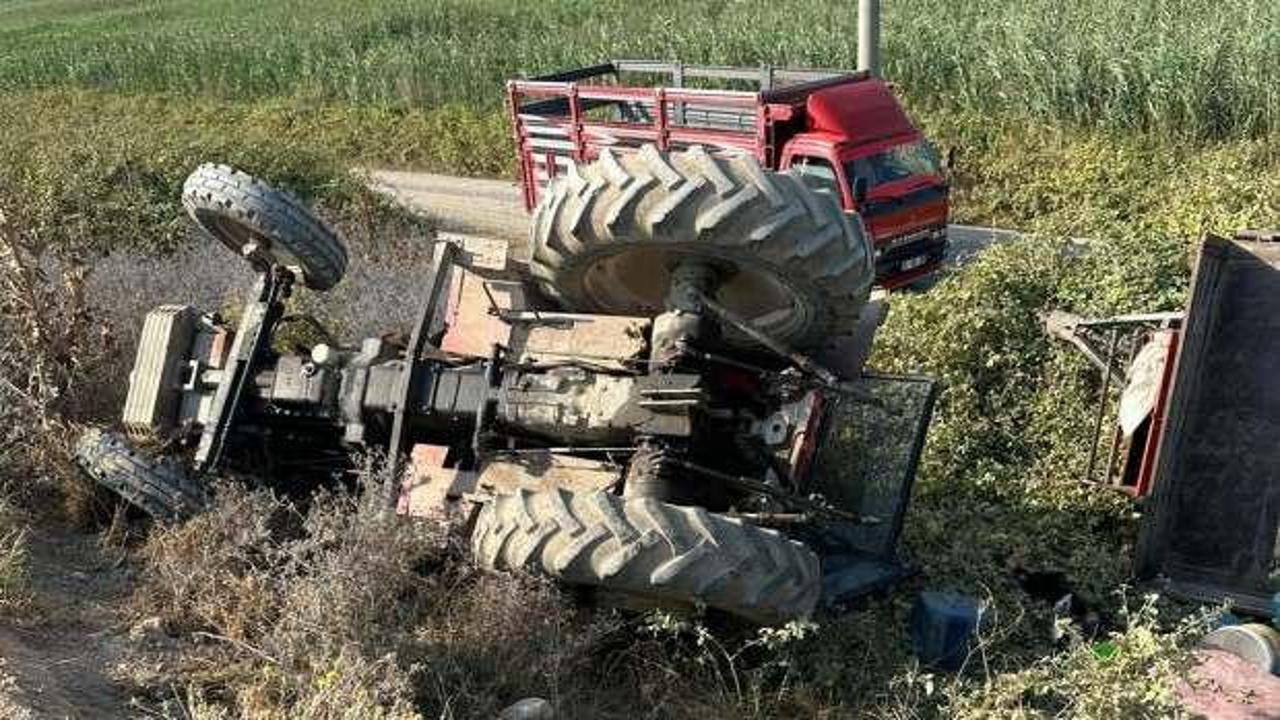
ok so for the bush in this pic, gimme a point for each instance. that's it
(104, 173)
(302, 605)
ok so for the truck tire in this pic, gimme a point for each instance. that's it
(237, 209)
(651, 551)
(605, 236)
(159, 488)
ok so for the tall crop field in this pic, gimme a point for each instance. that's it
(1192, 66)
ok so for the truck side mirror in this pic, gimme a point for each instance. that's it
(950, 165)
(859, 191)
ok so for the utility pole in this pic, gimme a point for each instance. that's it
(869, 36)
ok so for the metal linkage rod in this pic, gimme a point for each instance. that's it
(800, 360)
(762, 488)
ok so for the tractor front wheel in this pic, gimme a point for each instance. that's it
(158, 487)
(269, 226)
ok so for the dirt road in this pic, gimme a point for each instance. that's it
(495, 208)
(58, 661)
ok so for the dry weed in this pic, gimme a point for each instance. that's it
(306, 607)
(336, 611)
(11, 706)
(217, 571)
(13, 565)
(50, 350)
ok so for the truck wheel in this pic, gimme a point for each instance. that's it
(242, 211)
(157, 487)
(606, 235)
(649, 550)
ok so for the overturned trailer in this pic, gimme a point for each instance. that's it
(1198, 415)
(715, 440)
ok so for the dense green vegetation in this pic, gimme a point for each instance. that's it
(1140, 124)
(105, 170)
(115, 163)
(1182, 66)
(1144, 117)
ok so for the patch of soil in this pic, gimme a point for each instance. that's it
(58, 656)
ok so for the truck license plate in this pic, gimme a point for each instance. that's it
(913, 263)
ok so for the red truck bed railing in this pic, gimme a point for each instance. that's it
(569, 117)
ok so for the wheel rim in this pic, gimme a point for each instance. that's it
(236, 236)
(634, 281)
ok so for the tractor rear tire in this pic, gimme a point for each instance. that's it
(606, 235)
(159, 488)
(650, 551)
(240, 210)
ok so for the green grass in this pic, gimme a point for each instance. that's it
(1190, 66)
(114, 163)
(103, 170)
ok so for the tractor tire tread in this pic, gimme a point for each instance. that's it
(280, 217)
(650, 550)
(725, 208)
(156, 486)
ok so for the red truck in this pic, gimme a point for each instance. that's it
(843, 131)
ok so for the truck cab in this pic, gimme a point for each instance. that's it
(842, 131)
(859, 143)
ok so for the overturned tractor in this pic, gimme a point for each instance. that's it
(707, 435)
